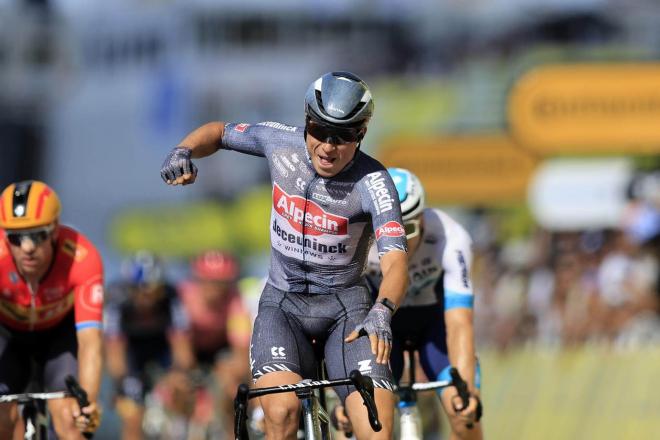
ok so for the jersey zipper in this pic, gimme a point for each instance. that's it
(307, 190)
(33, 307)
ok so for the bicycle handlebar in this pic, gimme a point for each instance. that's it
(26, 397)
(363, 384)
(80, 395)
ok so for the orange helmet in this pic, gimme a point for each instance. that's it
(215, 266)
(28, 204)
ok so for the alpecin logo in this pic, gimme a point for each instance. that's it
(315, 219)
(390, 229)
(379, 192)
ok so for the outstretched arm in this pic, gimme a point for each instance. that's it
(178, 168)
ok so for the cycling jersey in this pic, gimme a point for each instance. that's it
(439, 270)
(320, 228)
(228, 324)
(74, 281)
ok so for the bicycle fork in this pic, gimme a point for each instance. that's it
(315, 418)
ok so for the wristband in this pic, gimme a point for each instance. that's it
(389, 304)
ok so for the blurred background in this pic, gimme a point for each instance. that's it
(536, 124)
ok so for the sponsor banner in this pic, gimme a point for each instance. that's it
(588, 108)
(278, 126)
(484, 170)
(574, 194)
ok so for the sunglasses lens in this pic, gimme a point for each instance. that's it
(333, 135)
(14, 239)
(37, 237)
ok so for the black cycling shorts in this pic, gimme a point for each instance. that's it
(52, 351)
(288, 322)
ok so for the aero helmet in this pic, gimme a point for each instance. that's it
(339, 99)
(28, 204)
(215, 266)
(411, 192)
(143, 268)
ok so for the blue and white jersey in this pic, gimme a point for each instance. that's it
(439, 270)
(321, 228)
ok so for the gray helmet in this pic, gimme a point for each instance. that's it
(339, 98)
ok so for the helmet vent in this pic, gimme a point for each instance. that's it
(19, 202)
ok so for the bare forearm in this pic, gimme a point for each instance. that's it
(182, 352)
(394, 267)
(204, 140)
(460, 343)
(90, 361)
(116, 358)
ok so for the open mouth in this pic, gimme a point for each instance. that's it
(326, 160)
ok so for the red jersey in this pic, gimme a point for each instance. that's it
(74, 280)
(213, 328)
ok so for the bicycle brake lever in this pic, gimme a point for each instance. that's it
(240, 412)
(81, 397)
(365, 386)
(462, 388)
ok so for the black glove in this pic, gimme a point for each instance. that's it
(177, 163)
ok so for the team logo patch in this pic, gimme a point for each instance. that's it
(390, 229)
(307, 217)
(241, 127)
(74, 250)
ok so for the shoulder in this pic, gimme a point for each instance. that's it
(5, 254)
(367, 168)
(73, 247)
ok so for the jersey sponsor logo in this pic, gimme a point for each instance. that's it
(464, 271)
(52, 293)
(327, 199)
(307, 217)
(294, 158)
(277, 353)
(13, 277)
(241, 127)
(74, 250)
(390, 229)
(288, 164)
(364, 366)
(278, 126)
(309, 244)
(280, 167)
(301, 184)
(379, 192)
(91, 297)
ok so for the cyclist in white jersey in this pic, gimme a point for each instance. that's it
(436, 315)
(330, 200)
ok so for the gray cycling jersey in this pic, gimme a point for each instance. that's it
(439, 270)
(320, 228)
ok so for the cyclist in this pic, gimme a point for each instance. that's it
(220, 323)
(146, 332)
(436, 315)
(51, 279)
(328, 199)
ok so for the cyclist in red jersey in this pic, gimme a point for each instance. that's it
(51, 300)
(219, 322)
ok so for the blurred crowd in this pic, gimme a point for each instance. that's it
(562, 289)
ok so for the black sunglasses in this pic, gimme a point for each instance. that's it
(37, 236)
(334, 135)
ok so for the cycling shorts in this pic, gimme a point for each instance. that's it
(53, 352)
(287, 323)
(424, 327)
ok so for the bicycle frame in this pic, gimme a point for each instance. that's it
(315, 418)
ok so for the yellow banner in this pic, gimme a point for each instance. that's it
(588, 108)
(589, 393)
(469, 169)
